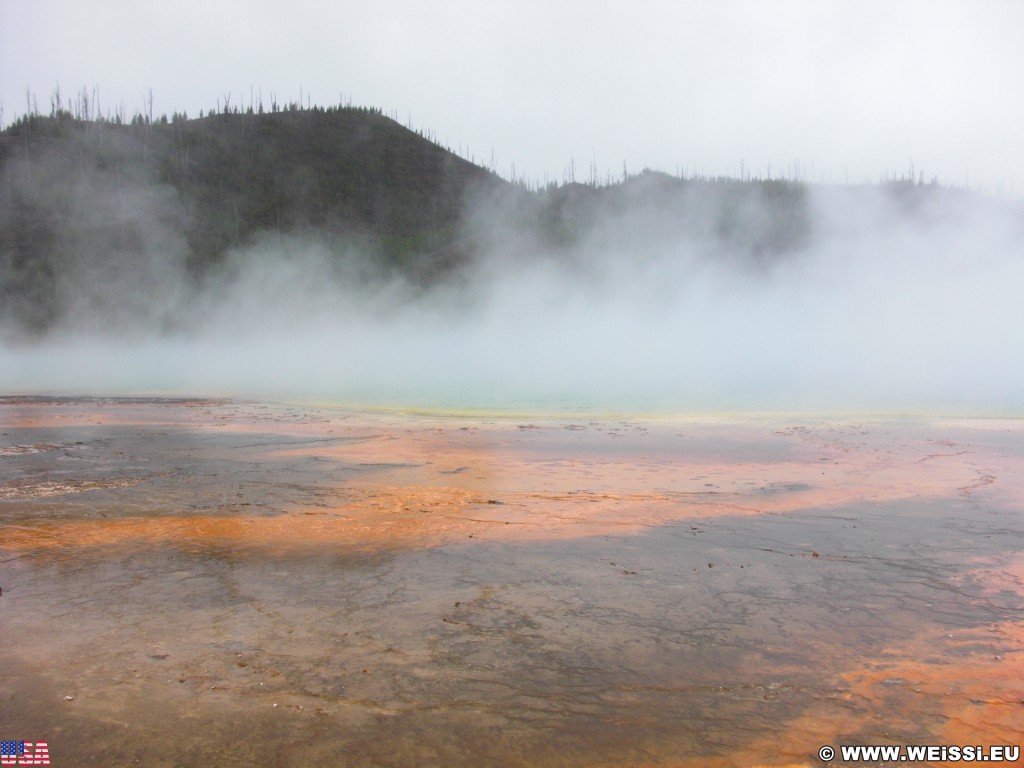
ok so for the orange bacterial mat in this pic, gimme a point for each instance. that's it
(190, 582)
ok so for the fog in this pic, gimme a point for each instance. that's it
(882, 305)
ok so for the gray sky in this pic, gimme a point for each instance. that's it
(830, 90)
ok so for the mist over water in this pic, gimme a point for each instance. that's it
(881, 306)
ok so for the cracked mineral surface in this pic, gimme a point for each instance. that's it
(192, 582)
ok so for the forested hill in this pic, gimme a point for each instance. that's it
(340, 172)
(105, 213)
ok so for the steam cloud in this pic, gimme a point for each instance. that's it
(880, 307)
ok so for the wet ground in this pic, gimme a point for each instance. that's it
(194, 582)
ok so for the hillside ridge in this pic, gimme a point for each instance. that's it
(130, 202)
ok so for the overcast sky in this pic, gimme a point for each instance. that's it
(831, 91)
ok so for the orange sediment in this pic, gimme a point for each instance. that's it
(308, 481)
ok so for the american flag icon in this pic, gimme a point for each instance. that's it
(21, 753)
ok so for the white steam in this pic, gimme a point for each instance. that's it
(881, 308)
